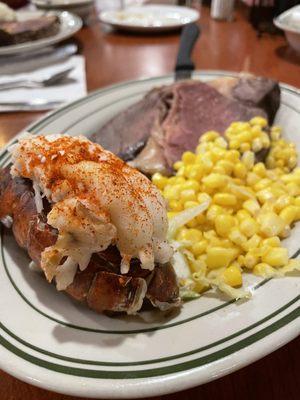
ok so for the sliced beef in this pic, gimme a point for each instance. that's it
(127, 133)
(192, 114)
(170, 120)
(15, 32)
(252, 91)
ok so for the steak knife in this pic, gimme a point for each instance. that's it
(184, 64)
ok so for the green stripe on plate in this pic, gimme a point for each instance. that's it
(90, 373)
(158, 360)
(116, 332)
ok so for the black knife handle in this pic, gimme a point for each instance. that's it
(184, 64)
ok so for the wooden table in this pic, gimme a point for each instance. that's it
(112, 57)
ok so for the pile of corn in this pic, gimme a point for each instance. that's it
(252, 205)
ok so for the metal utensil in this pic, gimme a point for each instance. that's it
(184, 65)
(30, 84)
(55, 52)
(32, 105)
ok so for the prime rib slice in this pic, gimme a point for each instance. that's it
(169, 120)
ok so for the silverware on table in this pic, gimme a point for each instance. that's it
(30, 84)
(54, 53)
(32, 105)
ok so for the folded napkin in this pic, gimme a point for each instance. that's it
(37, 68)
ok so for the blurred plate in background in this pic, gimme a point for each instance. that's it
(69, 25)
(150, 18)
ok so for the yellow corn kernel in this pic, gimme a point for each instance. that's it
(225, 199)
(171, 214)
(248, 159)
(159, 180)
(259, 169)
(232, 155)
(259, 121)
(213, 211)
(203, 197)
(234, 144)
(263, 269)
(215, 181)
(249, 227)
(190, 204)
(232, 276)
(181, 171)
(242, 214)
(217, 154)
(209, 136)
(252, 179)
(199, 248)
(226, 165)
(196, 172)
(250, 260)
(187, 170)
(272, 241)
(188, 195)
(191, 184)
(265, 195)
(265, 140)
(240, 171)
(257, 145)
(252, 243)
(237, 237)
(221, 142)
(270, 224)
(188, 157)
(172, 192)
(218, 257)
(293, 189)
(223, 224)
(289, 214)
(210, 234)
(175, 205)
(262, 184)
(179, 180)
(285, 232)
(292, 162)
(193, 235)
(277, 257)
(193, 223)
(207, 164)
(219, 170)
(282, 202)
(178, 165)
(256, 131)
(201, 219)
(252, 206)
(239, 126)
(245, 147)
(181, 234)
(172, 180)
(297, 201)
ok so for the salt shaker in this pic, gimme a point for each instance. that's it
(222, 9)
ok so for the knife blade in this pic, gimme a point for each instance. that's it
(34, 105)
(28, 62)
(184, 65)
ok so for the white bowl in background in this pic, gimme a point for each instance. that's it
(289, 22)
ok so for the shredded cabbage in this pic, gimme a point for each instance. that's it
(185, 216)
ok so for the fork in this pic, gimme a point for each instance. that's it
(31, 84)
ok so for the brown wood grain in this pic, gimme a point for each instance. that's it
(113, 57)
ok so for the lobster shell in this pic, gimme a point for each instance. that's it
(100, 286)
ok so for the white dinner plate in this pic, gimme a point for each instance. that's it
(69, 25)
(49, 341)
(150, 18)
